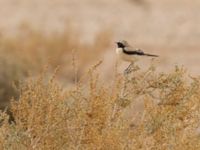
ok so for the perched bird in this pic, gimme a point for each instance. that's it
(127, 53)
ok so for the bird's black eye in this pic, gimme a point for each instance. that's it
(120, 45)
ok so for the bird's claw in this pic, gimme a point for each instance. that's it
(127, 71)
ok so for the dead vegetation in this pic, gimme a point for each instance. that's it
(92, 115)
(25, 54)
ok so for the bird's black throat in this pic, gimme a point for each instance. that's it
(120, 45)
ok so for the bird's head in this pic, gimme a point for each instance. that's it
(122, 44)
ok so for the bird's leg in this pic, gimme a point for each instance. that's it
(128, 69)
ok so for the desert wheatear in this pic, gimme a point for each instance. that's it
(127, 53)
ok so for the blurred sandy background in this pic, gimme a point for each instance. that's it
(169, 28)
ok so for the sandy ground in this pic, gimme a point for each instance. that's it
(169, 28)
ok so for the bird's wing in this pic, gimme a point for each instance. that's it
(131, 51)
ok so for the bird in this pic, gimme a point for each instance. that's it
(127, 53)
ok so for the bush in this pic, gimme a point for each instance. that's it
(93, 114)
(30, 50)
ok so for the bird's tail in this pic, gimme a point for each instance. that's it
(151, 55)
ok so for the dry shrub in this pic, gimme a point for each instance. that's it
(92, 115)
(10, 75)
(30, 50)
(170, 119)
